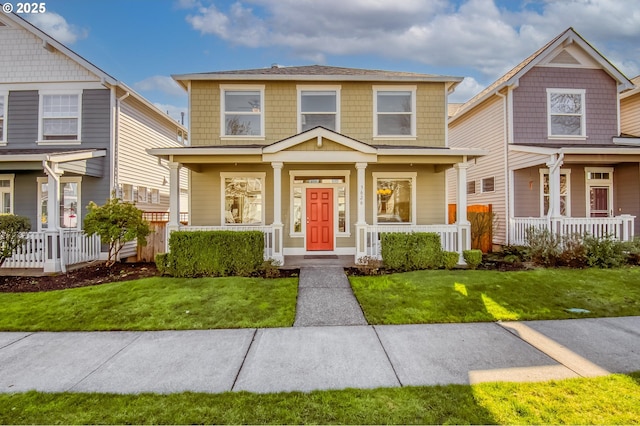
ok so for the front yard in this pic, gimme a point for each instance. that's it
(162, 303)
(475, 296)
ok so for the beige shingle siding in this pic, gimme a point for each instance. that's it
(484, 128)
(630, 115)
(281, 111)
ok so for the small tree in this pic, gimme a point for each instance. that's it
(116, 223)
(13, 232)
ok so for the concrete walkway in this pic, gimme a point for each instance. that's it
(309, 358)
(325, 297)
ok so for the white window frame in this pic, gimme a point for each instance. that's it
(598, 182)
(293, 174)
(155, 196)
(241, 88)
(10, 190)
(63, 180)
(394, 175)
(223, 177)
(42, 94)
(583, 116)
(482, 191)
(545, 172)
(5, 111)
(319, 88)
(400, 88)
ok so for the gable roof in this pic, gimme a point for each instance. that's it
(106, 79)
(315, 73)
(511, 77)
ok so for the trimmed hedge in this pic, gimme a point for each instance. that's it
(212, 254)
(411, 251)
(473, 258)
(450, 259)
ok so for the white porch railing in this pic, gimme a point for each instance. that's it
(34, 253)
(272, 237)
(452, 237)
(619, 227)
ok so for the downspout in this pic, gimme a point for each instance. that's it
(116, 141)
(56, 178)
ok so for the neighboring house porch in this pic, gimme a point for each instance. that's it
(320, 192)
(575, 190)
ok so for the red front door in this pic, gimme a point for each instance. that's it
(319, 219)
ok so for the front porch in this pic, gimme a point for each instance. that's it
(620, 228)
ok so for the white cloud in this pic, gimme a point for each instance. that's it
(466, 90)
(161, 83)
(472, 33)
(57, 27)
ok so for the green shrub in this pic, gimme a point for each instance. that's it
(450, 259)
(271, 268)
(162, 263)
(411, 251)
(473, 258)
(13, 230)
(573, 252)
(604, 252)
(215, 253)
(543, 246)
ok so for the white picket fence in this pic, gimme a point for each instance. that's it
(619, 227)
(76, 247)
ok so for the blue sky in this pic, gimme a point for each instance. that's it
(143, 42)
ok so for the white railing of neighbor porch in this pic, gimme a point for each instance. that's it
(619, 227)
(368, 237)
(31, 254)
(272, 237)
(77, 247)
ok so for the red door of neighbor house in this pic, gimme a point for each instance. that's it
(319, 219)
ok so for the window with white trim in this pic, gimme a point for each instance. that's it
(565, 192)
(488, 184)
(243, 198)
(3, 114)
(394, 198)
(242, 111)
(127, 192)
(6, 194)
(70, 203)
(155, 196)
(318, 106)
(142, 194)
(60, 117)
(394, 111)
(566, 113)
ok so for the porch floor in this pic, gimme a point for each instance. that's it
(295, 262)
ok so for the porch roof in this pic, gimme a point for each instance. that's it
(71, 160)
(585, 153)
(328, 147)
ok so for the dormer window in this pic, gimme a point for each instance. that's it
(566, 113)
(242, 111)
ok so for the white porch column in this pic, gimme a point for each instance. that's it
(464, 227)
(360, 167)
(174, 200)
(554, 213)
(52, 234)
(278, 226)
(361, 223)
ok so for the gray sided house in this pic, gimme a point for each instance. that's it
(70, 134)
(557, 156)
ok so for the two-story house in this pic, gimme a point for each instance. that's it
(69, 134)
(321, 159)
(555, 160)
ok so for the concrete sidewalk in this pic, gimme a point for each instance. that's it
(309, 358)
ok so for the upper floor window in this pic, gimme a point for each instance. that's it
(3, 113)
(6, 194)
(242, 111)
(566, 113)
(60, 116)
(318, 106)
(394, 111)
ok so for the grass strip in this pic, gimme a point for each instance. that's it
(613, 399)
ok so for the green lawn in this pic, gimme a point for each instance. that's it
(157, 303)
(612, 399)
(470, 296)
